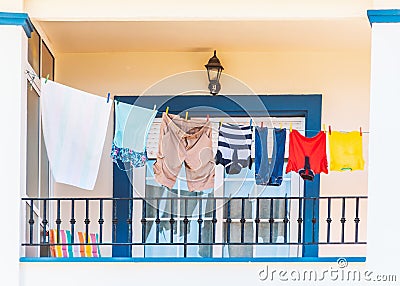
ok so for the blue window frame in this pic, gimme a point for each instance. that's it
(307, 106)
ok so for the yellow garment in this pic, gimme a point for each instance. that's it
(345, 151)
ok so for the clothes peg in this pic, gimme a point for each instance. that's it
(251, 121)
(166, 110)
(186, 117)
(47, 78)
(154, 107)
(323, 128)
(360, 131)
(108, 97)
(220, 123)
(262, 124)
(280, 125)
(290, 127)
(330, 131)
(208, 117)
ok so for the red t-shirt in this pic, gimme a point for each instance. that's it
(314, 147)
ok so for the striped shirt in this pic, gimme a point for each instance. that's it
(234, 147)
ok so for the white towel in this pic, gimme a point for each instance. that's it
(74, 129)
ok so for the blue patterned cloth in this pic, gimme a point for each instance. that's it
(135, 159)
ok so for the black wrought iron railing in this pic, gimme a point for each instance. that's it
(123, 223)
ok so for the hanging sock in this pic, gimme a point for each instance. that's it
(74, 129)
(313, 148)
(346, 152)
(132, 125)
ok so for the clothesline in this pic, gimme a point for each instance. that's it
(305, 130)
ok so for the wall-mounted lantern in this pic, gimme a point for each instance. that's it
(214, 69)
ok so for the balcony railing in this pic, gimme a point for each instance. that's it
(209, 222)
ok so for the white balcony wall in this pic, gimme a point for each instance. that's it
(198, 274)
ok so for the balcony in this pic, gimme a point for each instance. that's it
(227, 228)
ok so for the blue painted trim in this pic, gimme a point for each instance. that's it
(173, 259)
(384, 16)
(309, 106)
(122, 188)
(17, 19)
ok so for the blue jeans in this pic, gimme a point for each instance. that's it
(269, 172)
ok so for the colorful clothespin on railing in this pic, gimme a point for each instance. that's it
(187, 114)
(208, 117)
(47, 78)
(108, 97)
(290, 127)
(262, 124)
(360, 131)
(329, 130)
(166, 110)
(154, 107)
(280, 125)
(220, 123)
(323, 128)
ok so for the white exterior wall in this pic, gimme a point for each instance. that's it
(13, 53)
(196, 274)
(384, 195)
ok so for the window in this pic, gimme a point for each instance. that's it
(163, 206)
(164, 210)
(282, 107)
(47, 62)
(34, 51)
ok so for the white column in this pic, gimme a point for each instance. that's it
(383, 250)
(13, 56)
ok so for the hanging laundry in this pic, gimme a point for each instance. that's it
(346, 151)
(307, 156)
(188, 142)
(74, 129)
(269, 172)
(234, 147)
(132, 125)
